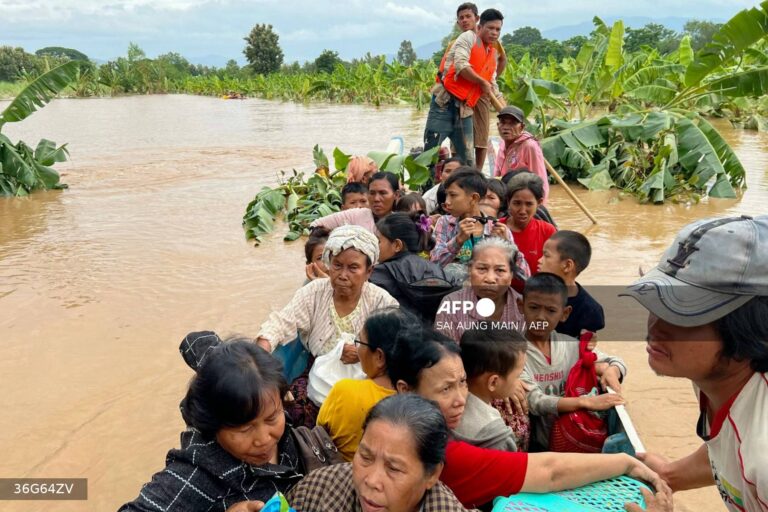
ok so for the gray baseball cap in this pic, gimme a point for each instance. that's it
(713, 267)
(512, 111)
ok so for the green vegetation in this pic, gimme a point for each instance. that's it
(263, 51)
(655, 141)
(23, 169)
(621, 107)
(300, 199)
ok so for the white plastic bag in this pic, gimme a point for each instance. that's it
(328, 369)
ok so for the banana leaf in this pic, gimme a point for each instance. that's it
(736, 35)
(340, 159)
(648, 74)
(753, 82)
(46, 152)
(656, 94)
(731, 164)
(38, 93)
(600, 180)
(685, 51)
(381, 158)
(699, 157)
(614, 55)
(319, 157)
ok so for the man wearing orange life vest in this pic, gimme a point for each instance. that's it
(469, 73)
(467, 18)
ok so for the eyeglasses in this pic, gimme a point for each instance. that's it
(358, 343)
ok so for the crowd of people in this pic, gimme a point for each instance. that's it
(423, 365)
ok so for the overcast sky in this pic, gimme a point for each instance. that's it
(198, 28)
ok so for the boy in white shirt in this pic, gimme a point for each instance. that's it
(551, 356)
(708, 322)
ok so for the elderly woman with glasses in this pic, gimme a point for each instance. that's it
(349, 401)
(327, 310)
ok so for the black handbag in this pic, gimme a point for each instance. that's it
(316, 448)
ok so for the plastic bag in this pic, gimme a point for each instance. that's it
(328, 369)
(580, 431)
(277, 503)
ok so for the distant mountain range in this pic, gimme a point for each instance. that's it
(561, 33)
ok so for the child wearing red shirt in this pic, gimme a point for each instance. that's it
(525, 192)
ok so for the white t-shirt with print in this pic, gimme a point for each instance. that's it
(737, 443)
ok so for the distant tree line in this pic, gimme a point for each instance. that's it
(265, 56)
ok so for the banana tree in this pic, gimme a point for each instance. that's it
(23, 169)
(671, 150)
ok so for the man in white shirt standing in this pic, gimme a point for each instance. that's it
(708, 322)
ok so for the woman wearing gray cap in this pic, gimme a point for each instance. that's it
(519, 149)
(708, 322)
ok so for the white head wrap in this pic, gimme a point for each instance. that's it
(351, 237)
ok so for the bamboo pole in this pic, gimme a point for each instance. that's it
(498, 106)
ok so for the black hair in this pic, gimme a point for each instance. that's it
(318, 236)
(454, 159)
(405, 203)
(547, 283)
(467, 5)
(418, 348)
(353, 188)
(469, 180)
(405, 227)
(500, 189)
(745, 333)
(231, 386)
(575, 246)
(525, 181)
(394, 182)
(511, 174)
(422, 418)
(491, 15)
(441, 197)
(491, 350)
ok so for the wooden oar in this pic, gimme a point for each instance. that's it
(498, 106)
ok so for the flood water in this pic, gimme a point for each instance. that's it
(99, 283)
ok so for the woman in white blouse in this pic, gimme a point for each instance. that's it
(325, 310)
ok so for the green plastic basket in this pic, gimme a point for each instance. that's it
(605, 496)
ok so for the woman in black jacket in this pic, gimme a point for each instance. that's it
(416, 283)
(238, 446)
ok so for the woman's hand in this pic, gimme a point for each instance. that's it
(640, 471)
(349, 354)
(659, 502)
(264, 343)
(600, 402)
(246, 506)
(500, 230)
(656, 463)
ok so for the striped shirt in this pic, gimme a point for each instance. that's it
(309, 313)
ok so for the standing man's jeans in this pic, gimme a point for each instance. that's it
(446, 122)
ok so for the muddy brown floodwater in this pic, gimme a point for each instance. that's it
(99, 283)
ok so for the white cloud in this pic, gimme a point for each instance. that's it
(103, 28)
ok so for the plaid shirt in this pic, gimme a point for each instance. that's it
(202, 476)
(447, 246)
(330, 489)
